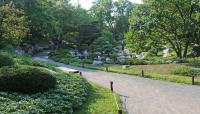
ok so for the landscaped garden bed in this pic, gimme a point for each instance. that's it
(27, 87)
(166, 72)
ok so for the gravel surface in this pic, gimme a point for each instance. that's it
(145, 96)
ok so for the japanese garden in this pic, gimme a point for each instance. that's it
(99, 56)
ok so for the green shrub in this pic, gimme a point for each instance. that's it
(186, 72)
(135, 62)
(23, 60)
(63, 56)
(60, 53)
(9, 49)
(25, 79)
(194, 64)
(87, 61)
(6, 59)
(69, 94)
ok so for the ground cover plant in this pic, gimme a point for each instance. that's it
(70, 93)
(23, 90)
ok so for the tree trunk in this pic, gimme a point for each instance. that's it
(179, 52)
(186, 49)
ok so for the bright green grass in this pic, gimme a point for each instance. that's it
(100, 101)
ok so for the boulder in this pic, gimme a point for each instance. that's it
(121, 59)
(108, 60)
(95, 62)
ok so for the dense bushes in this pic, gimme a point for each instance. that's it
(64, 56)
(60, 53)
(6, 59)
(23, 60)
(25, 79)
(69, 94)
(186, 71)
(135, 62)
(196, 65)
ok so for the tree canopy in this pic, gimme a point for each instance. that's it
(173, 23)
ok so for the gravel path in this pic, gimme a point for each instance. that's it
(146, 96)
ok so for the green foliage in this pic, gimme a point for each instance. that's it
(88, 33)
(13, 25)
(9, 49)
(158, 23)
(6, 59)
(23, 60)
(25, 79)
(186, 71)
(104, 45)
(195, 64)
(64, 56)
(70, 93)
(60, 53)
(112, 16)
(134, 62)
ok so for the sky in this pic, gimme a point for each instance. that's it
(88, 3)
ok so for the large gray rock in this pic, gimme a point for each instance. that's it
(108, 60)
(95, 62)
(121, 59)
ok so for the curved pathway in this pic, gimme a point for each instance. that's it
(145, 96)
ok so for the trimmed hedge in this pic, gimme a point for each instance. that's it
(6, 59)
(26, 79)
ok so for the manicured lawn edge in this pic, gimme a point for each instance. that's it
(100, 101)
(154, 76)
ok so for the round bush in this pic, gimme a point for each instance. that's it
(6, 59)
(26, 79)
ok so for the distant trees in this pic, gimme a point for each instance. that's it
(104, 45)
(112, 16)
(167, 22)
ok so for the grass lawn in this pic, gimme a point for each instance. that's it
(157, 72)
(100, 101)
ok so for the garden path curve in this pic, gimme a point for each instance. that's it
(145, 96)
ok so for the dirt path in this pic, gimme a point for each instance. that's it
(146, 96)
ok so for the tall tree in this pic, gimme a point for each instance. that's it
(168, 21)
(102, 11)
(122, 13)
(13, 25)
